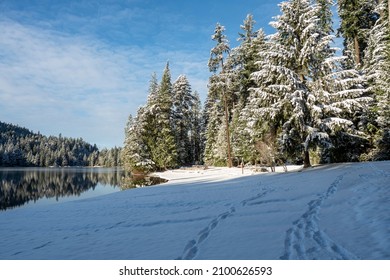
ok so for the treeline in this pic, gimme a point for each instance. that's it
(282, 97)
(21, 147)
(290, 97)
(166, 132)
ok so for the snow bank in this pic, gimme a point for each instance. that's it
(338, 211)
(212, 174)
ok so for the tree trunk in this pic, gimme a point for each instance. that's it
(306, 159)
(357, 50)
(229, 163)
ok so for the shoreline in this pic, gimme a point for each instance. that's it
(213, 174)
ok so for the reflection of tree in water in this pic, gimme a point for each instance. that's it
(137, 181)
(20, 186)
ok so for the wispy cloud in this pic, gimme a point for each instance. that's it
(77, 85)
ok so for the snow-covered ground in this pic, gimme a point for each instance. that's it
(213, 174)
(339, 211)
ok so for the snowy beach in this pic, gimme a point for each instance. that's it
(338, 211)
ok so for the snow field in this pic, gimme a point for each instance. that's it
(338, 211)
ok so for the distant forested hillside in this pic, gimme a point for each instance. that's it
(22, 147)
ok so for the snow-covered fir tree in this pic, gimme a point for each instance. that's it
(141, 132)
(135, 154)
(219, 88)
(166, 132)
(286, 96)
(244, 58)
(213, 115)
(147, 119)
(377, 69)
(164, 153)
(183, 103)
(357, 19)
(325, 15)
(197, 129)
(294, 99)
(243, 149)
(221, 49)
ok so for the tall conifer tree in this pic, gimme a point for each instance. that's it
(377, 69)
(165, 153)
(183, 102)
(216, 62)
(197, 129)
(300, 89)
(244, 59)
(357, 19)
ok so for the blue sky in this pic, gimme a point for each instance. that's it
(81, 67)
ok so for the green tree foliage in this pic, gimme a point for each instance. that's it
(357, 19)
(217, 53)
(197, 130)
(135, 155)
(183, 101)
(220, 91)
(284, 96)
(214, 113)
(166, 132)
(244, 59)
(303, 97)
(186, 122)
(22, 147)
(377, 69)
(165, 152)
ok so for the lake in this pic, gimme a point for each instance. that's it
(29, 187)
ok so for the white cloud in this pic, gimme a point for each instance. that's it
(79, 86)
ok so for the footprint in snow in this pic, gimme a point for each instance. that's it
(192, 248)
(305, 233)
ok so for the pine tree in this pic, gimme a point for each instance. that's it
(141, 134)
(245, 58)
(148, 116)
(167, 130)
(283, 93)
(196, 129)
(183, 102)
(377, 69)
(135, 154)
(242, 142)
(296, 97)
(221, 81)
(217, 54)
(213, 116)
(155, 120)
(357, 18)
(247, 54)
(165, 152)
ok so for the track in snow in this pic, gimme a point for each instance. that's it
(192, 248)
(305, 240)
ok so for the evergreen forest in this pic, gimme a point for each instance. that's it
(287, 97)
(293, 96)
(22, 147)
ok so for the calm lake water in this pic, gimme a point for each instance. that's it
(28, 187)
